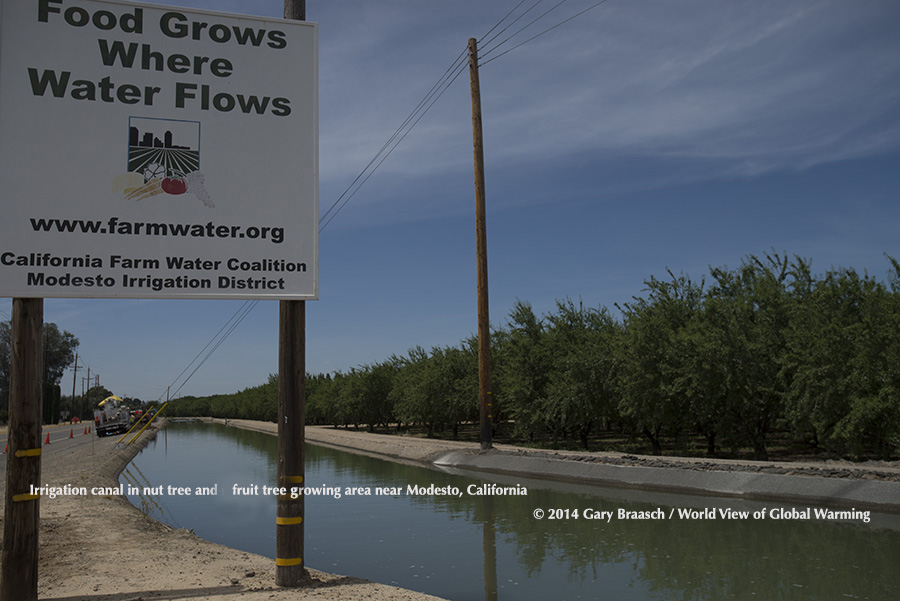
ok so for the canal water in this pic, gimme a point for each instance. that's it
(477, 547)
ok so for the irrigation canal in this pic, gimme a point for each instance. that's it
(474, 547)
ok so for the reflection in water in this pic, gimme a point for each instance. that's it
(441, 544)
(490, 552)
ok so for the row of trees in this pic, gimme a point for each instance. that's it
(764, 346)
(59, 353)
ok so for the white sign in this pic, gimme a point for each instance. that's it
(154, 152)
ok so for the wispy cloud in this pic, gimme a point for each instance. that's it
(746, 88)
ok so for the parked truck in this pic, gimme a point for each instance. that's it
(111, 416)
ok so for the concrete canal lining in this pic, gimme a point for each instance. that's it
(873, 485)
(876, 495)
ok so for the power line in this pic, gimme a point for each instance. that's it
(485, 43)
(233, 322)
(437, 90)
(449, 76)
(210, 342)
(576, 15)
(533, 21)
(515, 8)
(424, 105)
(402, 126)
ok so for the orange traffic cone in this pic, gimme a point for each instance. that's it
(85, 430)
(6, 448)
(48, 439)
(71, 434)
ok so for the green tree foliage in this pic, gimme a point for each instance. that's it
(747, 315)
(844, 350)
(653, 376)
(58, 354)
(524, 372)
(437, 390)
(256, 403)
(581, 390)
(764, 346)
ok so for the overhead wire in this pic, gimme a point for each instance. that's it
(430, 98)
(449, 76)
(399, 129)
(436, 91)
(533, 21)
(233, 322)
(549, 29)
(245, 313)
(210, 342)
(515, 8)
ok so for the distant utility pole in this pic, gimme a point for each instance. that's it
(289, 512)
(484, 321)
(85, 393)
(74, 380)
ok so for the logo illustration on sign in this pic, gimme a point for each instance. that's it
(163, 158)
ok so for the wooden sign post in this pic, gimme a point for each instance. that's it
(21, 521)
(289, 527)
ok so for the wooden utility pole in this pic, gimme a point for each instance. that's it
(295, 9)
(484, 321)
(21, 522)
(289, 527)
(289, 514)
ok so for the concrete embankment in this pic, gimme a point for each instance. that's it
(874, 486)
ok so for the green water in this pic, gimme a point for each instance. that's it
(492, 547)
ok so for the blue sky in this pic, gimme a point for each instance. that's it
(640, 136)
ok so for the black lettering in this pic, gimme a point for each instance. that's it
(133, 23)
(105, 20)
(281, 107)
(102, 19)
(244, 35)
(277, 40)
(115, 51)
(198, 27)
(173, 25)
(179, 63)
(252, 103)
(224, 102)
(221, 67)
(148, 55)
(58, 84)
(219, 33)
(184, 91)
(128, 94)
(106, 87)
(77, 16)
(45, 8)
(84, 90)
